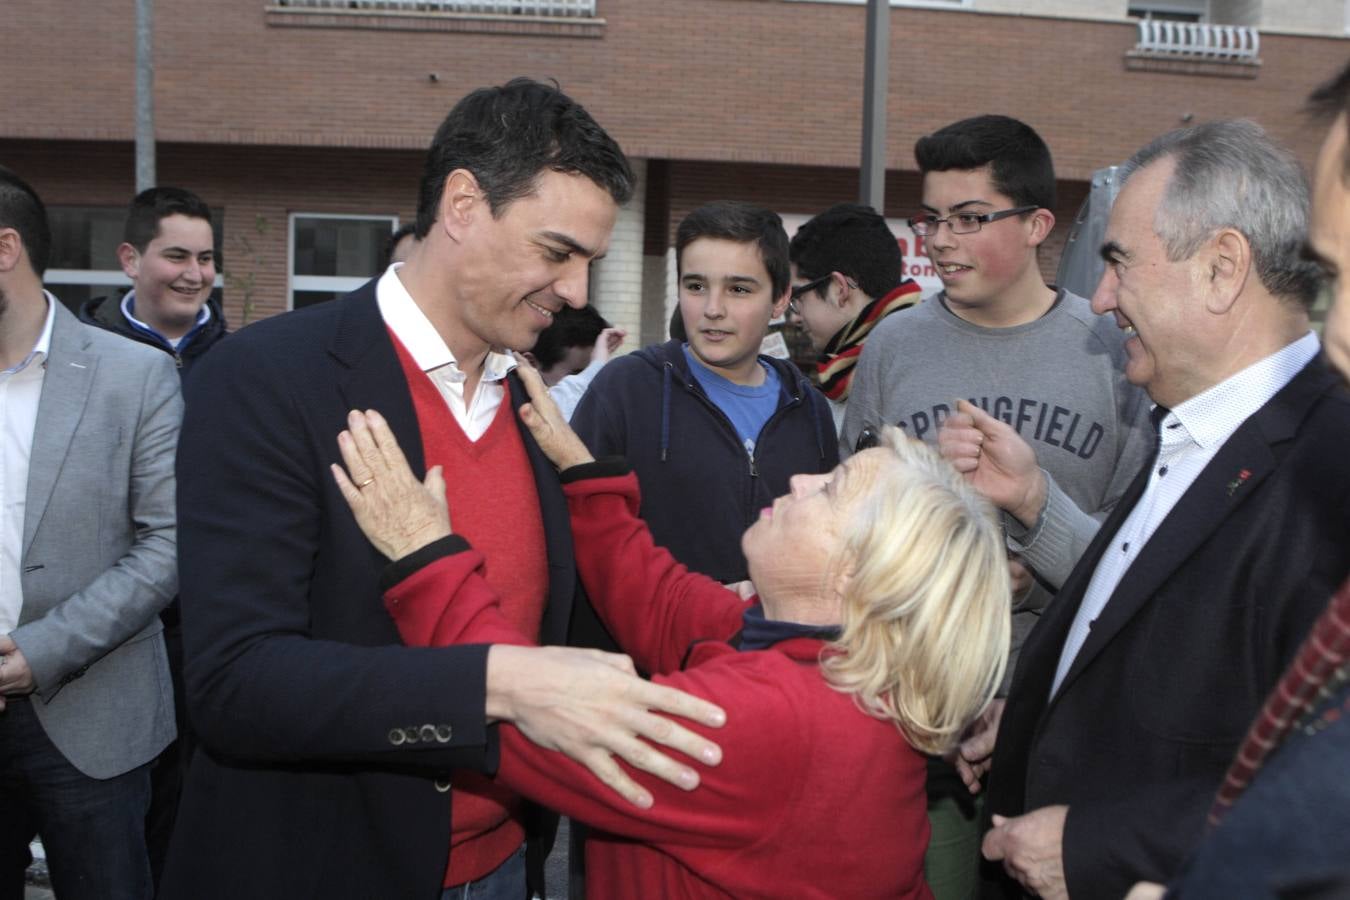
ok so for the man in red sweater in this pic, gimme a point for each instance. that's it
(336, 761)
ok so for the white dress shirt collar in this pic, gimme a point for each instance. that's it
(1211, 417)
(420, 338)
(40, 349)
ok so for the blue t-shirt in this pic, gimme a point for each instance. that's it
(748, 407)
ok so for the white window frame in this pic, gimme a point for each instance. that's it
(930, 4)
(559, 9)
(113, 278)
(1200, 8)
(329, 283)
(110, 277)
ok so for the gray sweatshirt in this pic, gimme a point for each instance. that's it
(1058, 380)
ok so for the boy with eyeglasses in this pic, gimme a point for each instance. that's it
(713, 428)
(848, 275)
(999, 337)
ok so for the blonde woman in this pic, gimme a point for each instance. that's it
(880, 630)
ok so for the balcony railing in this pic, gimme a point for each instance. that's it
(543, 8)
(1161, 38)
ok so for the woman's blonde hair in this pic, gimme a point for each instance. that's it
(927, 606)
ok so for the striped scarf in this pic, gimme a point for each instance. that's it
(1325, 651)
(841, 353)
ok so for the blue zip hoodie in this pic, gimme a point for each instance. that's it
(700, 490)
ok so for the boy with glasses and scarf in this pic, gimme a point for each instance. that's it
(847, 274)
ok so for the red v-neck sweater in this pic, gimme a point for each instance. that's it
(493, 503)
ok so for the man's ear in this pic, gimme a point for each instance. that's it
(130, 258)
(1042, 223)
(530, 358)
(462, 200)
(781, 304)
(11, 249)
(1229, 263)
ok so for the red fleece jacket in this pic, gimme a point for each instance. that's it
(813, 799)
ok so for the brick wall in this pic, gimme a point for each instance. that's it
(730, 80)
(258, 187)
(753, 99)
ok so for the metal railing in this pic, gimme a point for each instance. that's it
(544, 8)
(1192, 40)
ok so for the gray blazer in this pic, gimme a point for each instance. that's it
(99, 557)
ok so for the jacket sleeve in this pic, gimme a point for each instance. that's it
(443, 598)
(655, 607)
(447, 601)
(1144, 837)
(255, 540)
(738, 803)
(1053, 546)
(125, 598)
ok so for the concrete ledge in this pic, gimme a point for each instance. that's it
(1176, 64)
(418, 20)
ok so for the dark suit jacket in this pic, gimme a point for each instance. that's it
(328, 744)
(1140, 733)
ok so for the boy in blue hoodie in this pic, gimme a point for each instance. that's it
(713, 428)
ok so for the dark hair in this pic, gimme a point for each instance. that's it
(853, 240)
(21, 209)
(397, 235)
(507, 135)
(731, 220)
(1331, 99)
(571, 328)
(677, 332)
(152, 206)
(1020, 165)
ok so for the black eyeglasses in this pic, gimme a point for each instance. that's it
(962, 223)
(801, 290)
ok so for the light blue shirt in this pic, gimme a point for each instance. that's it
(747, 406)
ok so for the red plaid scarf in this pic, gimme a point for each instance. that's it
(1324, 651)
(841, 353)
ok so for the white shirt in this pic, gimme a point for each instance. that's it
(415, 331)
(20, 391)
(1190, 436)
(567, 393)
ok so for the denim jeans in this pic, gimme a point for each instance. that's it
(93, 830)
(506, 882)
